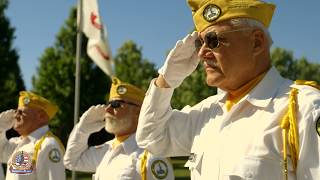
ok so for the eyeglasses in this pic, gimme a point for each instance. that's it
(117, 103)
(213, 40)
(22, 112)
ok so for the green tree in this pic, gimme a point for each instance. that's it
(292, 68)
(131, 67)
(55, 78)
(306, 70)
(283, 60)
(193, 90)
(10, 81)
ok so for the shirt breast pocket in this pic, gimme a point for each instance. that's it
(127, 169)
(194, 163)
(127, 173)
(253, 168)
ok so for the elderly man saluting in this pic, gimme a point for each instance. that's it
(120, 158)
(260, 126)
(37, 153)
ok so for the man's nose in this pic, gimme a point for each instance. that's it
(16, 114)
(109, 109)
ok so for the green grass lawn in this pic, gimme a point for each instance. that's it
(180, 172)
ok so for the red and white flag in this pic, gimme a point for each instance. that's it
(98, 48)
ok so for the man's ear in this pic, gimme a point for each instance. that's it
(136, 111)
(43, 116)
(259, 41)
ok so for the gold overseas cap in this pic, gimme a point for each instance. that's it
(208, 12)
(29, 99)
(125, 91)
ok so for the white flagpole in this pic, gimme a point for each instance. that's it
(78, 70)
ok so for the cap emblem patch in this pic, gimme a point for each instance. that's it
(26, 100)
(211, 12)
(121, 90)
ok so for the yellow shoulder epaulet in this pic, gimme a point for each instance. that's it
(38, 146)
(308, 83)
(143, 166)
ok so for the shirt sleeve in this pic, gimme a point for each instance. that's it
(49, 163)
(79, 156)
(309, 137)
(162, 130)
(159, 168)
(7, 147)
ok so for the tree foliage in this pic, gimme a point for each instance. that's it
(55, 78)
(132, 68)
(56, 75)
(292, 68)
(10, 81)
(193, 89)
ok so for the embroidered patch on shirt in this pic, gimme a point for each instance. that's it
(159, 169)
(54, 155)
(318, 126)
(21, 163)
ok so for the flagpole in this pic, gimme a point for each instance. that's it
(78, 70)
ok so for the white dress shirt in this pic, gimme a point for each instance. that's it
(120, 163)
(244, 143)
(49, 164)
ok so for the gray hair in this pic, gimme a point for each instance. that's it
(252, 23)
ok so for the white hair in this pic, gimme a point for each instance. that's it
(252, 23)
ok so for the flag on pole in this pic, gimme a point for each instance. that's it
(98, 48)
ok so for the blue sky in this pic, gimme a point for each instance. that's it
(153, 25)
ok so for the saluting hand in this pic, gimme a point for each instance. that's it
(181, 61)
(6, 119)
(93, 119)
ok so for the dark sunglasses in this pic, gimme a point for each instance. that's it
(21, 111)
(117, 103)
(212, 39)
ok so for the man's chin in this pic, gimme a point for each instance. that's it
(16, 127)
(108, 130)
(19, 130)
(113, 129)
(212, 82)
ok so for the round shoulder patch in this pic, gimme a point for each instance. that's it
(211, 12)
(54, 155)
(159, 169)
(318, 126)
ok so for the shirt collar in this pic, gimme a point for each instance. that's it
(221, 95)
(38, 133)
(130, 144)
(266, 89)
